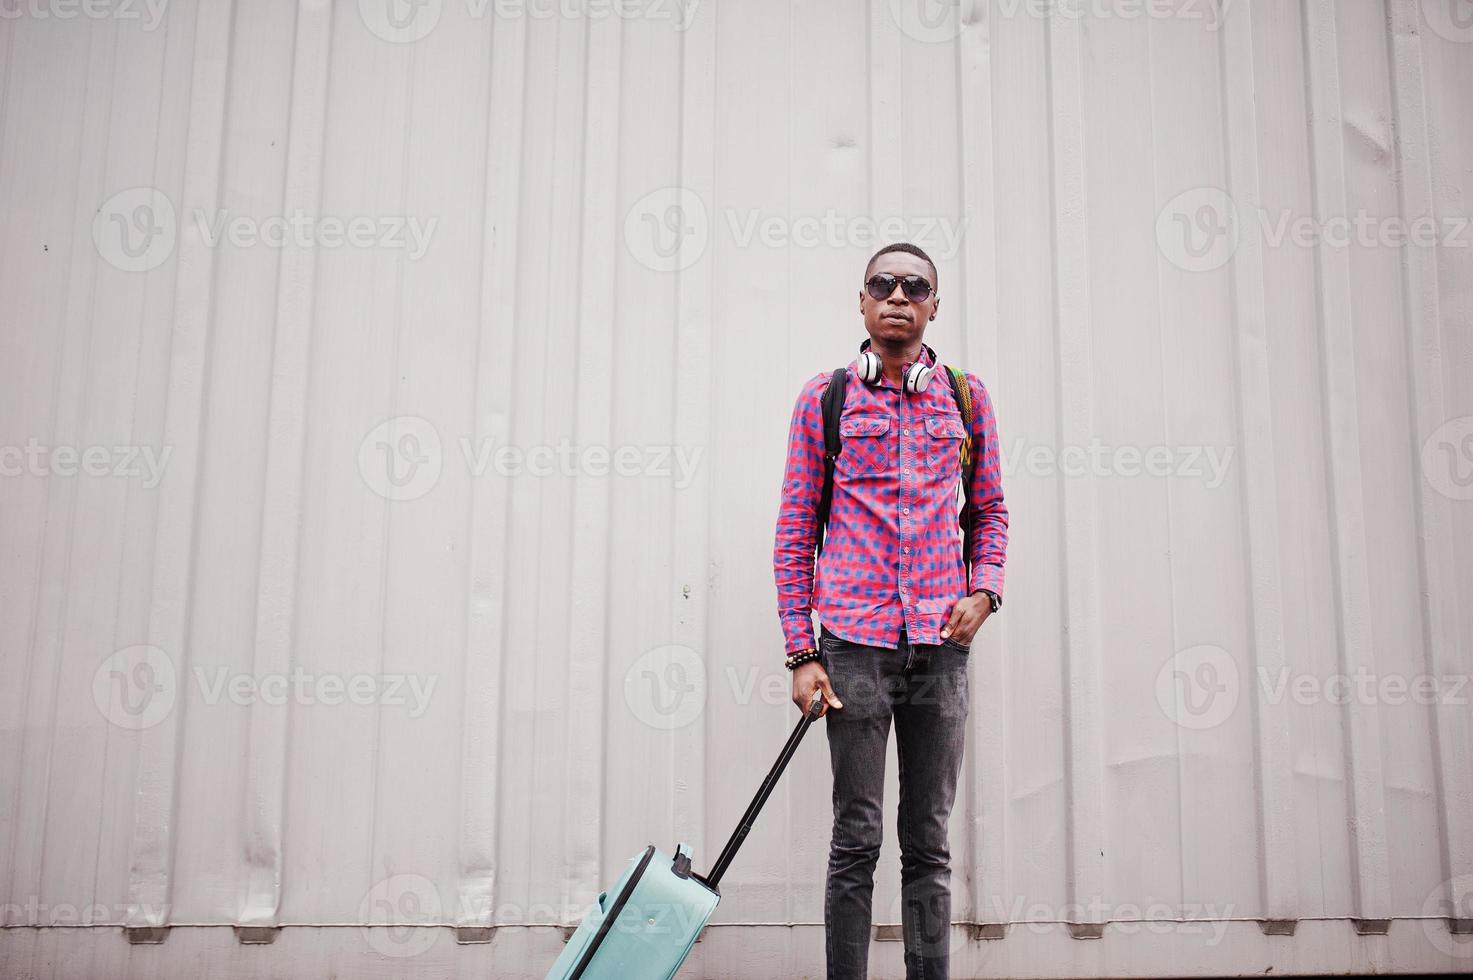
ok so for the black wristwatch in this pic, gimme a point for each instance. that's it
(992, 597)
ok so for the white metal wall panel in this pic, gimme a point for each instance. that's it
(622, 236)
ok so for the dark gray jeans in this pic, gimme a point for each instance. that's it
(925, 688)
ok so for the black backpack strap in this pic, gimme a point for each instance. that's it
(969, 462)
(833, 407)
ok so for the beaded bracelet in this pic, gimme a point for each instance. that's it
(800, 658)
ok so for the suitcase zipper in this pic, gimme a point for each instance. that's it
(613, 913)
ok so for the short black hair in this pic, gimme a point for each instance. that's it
(915, 250)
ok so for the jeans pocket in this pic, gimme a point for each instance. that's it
(829, 641)
(954, 645)
(827, 644)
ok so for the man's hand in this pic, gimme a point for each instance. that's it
(967, 617)
(806, 679)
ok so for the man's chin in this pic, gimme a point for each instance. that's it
(895, 331)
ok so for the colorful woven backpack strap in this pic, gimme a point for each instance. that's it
(963, 393)
(963, 401)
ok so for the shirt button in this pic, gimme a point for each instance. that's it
(906, 550)
(904, 470)
(905, 510)
(905, 432)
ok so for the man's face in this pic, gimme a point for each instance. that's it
(896, 322)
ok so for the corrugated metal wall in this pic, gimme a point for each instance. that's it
(393, 396)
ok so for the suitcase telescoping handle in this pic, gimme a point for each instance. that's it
(729, 851)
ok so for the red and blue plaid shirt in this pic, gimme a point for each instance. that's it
(893, 552)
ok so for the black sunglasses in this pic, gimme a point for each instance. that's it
(881, 285)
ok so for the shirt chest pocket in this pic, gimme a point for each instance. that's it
(866, 451)
(942, 445)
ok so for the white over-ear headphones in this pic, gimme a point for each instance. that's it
(917, 375)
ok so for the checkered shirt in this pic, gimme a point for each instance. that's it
(893, 551)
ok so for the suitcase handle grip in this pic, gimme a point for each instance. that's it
(680, 867)
(755, 807)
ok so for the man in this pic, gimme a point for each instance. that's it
(896, 606)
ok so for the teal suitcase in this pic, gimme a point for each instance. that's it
(643, 928)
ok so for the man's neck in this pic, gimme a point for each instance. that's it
(892, 365)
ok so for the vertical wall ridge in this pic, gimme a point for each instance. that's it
(986, 791)
(488, 551)
(886, 152)
(151, 864)
(588, 646)
(1085, 884)
(1274, 772)
(692, 410)
(49, 619)
(281, 508)
(1365, 787)
(377, 861)
(1449, 728)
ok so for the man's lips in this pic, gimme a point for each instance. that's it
(895, 316)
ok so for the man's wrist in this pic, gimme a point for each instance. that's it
(800, 657)
(993, 598)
